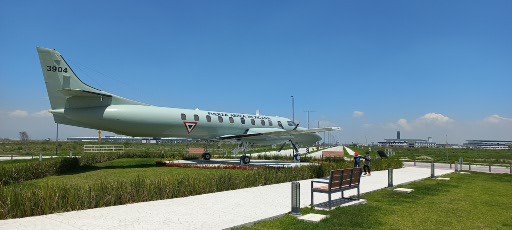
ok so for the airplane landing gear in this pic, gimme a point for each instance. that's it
(296, 154)
(245, 159)
(206, 156)
(244, 146)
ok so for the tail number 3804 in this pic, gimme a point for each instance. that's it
(56, 69)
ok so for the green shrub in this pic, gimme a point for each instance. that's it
(23, 171)
(90, 159)
(21, 200)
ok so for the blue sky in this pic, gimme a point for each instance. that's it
(445, 67)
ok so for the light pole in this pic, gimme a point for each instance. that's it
(57, 141)
(293, 109)
(309, 111)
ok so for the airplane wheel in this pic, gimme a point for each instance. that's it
(207, 156)
(296, 157)
(245, 160)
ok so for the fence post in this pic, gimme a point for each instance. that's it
(295, 198)
(432, 175)
(489, 167)
(390, 177)
(469, 164)
(456, 167)
(510, 167)
(414, 162)
(450, 165)
(40, 156)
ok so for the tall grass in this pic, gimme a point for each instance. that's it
(28, 199)
(23, 171)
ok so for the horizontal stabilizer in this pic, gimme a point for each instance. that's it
(83, 93)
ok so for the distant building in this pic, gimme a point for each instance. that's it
(449, 146)
(410, 143)
(122, 139)
(488, 144)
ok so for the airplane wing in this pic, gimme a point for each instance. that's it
(268, 133)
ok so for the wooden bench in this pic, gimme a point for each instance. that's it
(199, 152)
(339, 181)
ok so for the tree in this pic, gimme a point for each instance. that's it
(24, 136)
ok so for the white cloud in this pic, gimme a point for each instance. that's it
(358, 114)
(495, 119)
(434, 118)
(18, 114)
(42, 113)
(403, 123)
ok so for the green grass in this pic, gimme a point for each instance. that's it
(474, 201)
(121, 170)
(449, 155)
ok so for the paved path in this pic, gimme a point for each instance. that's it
(465, 167)
(209, 211)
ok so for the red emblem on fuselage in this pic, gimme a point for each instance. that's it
(190, 125)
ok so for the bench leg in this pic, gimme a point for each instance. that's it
(329, 201)
(358, 193)
(312, 194)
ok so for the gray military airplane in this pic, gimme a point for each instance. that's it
(78, 104)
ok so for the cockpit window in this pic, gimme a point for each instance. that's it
(183, 116)
(280, 124)
(290, 123)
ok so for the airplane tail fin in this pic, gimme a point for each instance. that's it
(66, 90)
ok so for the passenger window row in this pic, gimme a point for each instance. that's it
(242, 120)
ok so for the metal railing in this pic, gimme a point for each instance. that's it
(103, 148)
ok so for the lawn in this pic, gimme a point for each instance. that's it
(125, 169)
(474, 201)
(445, 155)
(124, 181)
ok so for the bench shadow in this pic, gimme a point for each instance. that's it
(337, 203)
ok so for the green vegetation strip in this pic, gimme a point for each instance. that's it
(133, 180)
(474, 201)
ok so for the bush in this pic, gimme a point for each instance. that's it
(90, 159)
(21, 200)
(29, 170)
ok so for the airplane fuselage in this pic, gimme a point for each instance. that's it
(153, 121)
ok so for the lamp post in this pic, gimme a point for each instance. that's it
(293, 109)
(309, 111)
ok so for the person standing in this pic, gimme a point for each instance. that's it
(367, 164)
(357, 160)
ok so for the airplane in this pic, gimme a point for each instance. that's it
(77, 104)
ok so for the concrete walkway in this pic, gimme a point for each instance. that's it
(209, 211)
(465, 167)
